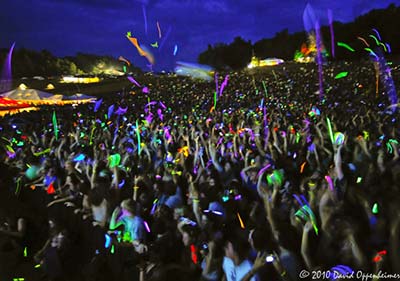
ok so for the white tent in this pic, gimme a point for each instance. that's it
(33, 96)
(30, 94)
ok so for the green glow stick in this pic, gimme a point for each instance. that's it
(265, 89)
(91, 135)
(375, 209)
(55, 127)
(124, 67)
(341, 44)
(384, 46)
(38, 265)
(330, 130)
(298, 136)
(42, 152)
(376, 39)
(112, 249)
(389, 148)
(114, 160)
(138, 136)
(215, 100)
(25, 252)
(341, 75)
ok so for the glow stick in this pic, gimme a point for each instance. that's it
(375, 209)
(388, 47)
(240, 221)
(377, 33)
(114, 160)
(146, 226)
(372, 53)
(110, 111)
(133, 81)
(330, 183)
(263, 170)
(362, 39)
(215, 100)
(42, 152)
(265, 89)
(107, 243)
(154, 45)
(165, 38)
(328, 122)
(159, 30)
(121, 184)
(175, 50)
(341, 44)
(376, 40)
(384, 46)
(144, 17)
(55, 126)
(25, 252)
(216, 81)
(121, 58)
(330, 17)
(302, 167)
(312, 218)
(91, 135)
(80, 157)
(97, 105)
(153, 209)
(341, 75)
(223, 85)
(319, 59)
(138, 137)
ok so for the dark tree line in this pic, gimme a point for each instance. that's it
(29, 63)
(284, 45)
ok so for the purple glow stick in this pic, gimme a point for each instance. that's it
(298, 200)
(146, 225)
(149, 118)
(330, 17)
(160, 115)
(97, 105)
(145, 90)
(150, 104)
(330, 183)
(263, 170)
(165, 38)
(145, 18)
(223, 85)
(163, 105)
(377, 33)
(319, 59)
(153, 209)
(167, 134)
(121, 111)
(388, 47)
(6, 75)
(216, 82)
(110, 111)
(130, 78)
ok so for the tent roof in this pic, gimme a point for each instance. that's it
(10, 103)
(78, 97)
(30, 94)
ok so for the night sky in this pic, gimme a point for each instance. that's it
(65, 27)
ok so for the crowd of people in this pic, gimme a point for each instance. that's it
(259, 180)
